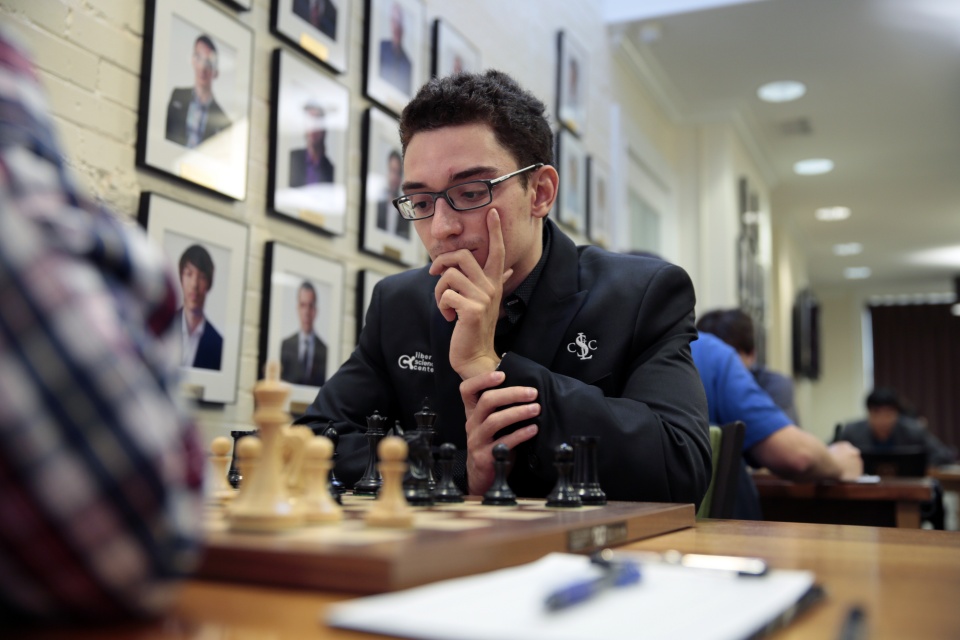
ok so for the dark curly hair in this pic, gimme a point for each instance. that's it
(515, 115)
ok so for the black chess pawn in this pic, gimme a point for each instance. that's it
(416, 486)
(564, 494)
(370, 483)
(500, 493)
(447, 490)
(234, 477)
(337, 488)
(585, 475)
(426, 419)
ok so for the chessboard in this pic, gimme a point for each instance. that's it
(445, 541)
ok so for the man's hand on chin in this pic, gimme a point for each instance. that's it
(471, 294)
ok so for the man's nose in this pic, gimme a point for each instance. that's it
(446, 220)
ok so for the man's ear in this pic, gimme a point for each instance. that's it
(543, 193)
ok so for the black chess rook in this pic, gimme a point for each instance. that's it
(585, 472)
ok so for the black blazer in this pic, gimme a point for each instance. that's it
(210, 348)
(298, 168)
(177, 109)
(290, 369)
(386, 208)
(633, 384)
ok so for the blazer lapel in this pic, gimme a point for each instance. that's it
(554, 304)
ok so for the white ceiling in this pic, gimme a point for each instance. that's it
(882, 101)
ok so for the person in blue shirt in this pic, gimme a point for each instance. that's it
(770, 439)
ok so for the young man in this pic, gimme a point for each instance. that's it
(511, 326)
(303, 356)
(735, 327)
(770, 440)
(202, 344)
(886, 428)
(193, 114)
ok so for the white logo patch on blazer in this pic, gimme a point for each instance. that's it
(582, 346)
(417, 362)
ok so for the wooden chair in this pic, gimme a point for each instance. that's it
(727, 443)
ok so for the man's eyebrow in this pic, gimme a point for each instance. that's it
(460, 176)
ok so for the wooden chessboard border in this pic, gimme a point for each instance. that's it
(420, 556)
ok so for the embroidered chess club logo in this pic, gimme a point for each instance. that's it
(417, 362)
(582, 347)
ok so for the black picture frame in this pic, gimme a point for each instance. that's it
(806, 335)
(572, 167)
(177, 228)
(572, 79)
(239, 5)
(185, 43)
(451, 52)
(319, 29)
(392, 73)
(286, 271)
(600, 220)
(383, 233)
(367, 279)
(311, 111)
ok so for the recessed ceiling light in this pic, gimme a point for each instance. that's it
(856, 273)
(833, 213)
(781, 91)
(847, 249)
(813, 166)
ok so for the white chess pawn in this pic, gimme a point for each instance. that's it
(220, 460)
(248, 455)
(391, 508)
(318, 504)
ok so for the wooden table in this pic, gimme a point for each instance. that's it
(948, 475)
(892, 502)
(908, 582)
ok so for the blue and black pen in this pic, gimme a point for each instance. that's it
(616, 574)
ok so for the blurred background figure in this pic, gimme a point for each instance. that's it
(886, 428)
(310, 165)
(735, 327)
(100, 470)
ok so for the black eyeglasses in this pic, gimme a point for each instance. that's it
(460, 197)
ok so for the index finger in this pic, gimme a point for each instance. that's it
(496, 252)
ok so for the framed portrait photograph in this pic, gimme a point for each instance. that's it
(571, 83)
(195, 95)
(300, 318)
(308, 145)
(209, 254)
(367, 279)
(318, 28)
(383, 232)
(572, 167)
(600, 223)
(452, 53)
(394, 65)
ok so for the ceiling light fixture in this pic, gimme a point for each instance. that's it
(831, 214)
(781, 91)
(847, 249)
(813, 167)
(856, 273)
